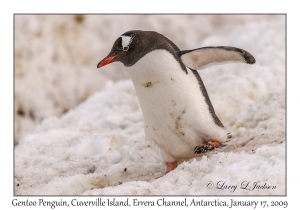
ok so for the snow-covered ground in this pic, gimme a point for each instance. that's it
(98, 147)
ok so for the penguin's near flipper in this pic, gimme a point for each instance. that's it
(201, 58)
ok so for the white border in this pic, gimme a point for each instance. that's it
(8, 8)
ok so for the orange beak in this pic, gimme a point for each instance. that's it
(106, 61)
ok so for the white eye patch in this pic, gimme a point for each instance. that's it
(126, 40)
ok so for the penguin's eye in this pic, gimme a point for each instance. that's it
(125, 48)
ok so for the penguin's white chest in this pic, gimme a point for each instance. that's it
(176, 115)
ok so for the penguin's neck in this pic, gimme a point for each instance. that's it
(154, 67)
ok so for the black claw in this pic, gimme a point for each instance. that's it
(202, 149)
(229, 136)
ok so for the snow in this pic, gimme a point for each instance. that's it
(87, 137)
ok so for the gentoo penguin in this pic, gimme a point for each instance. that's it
(180, 120)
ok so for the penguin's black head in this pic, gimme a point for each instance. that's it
(133, 45)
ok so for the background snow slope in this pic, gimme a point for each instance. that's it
(98, 147)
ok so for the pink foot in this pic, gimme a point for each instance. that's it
(171, 166)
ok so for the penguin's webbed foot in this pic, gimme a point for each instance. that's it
(171, 166)
(206, 147)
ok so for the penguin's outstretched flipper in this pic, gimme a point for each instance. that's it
(201, 58)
